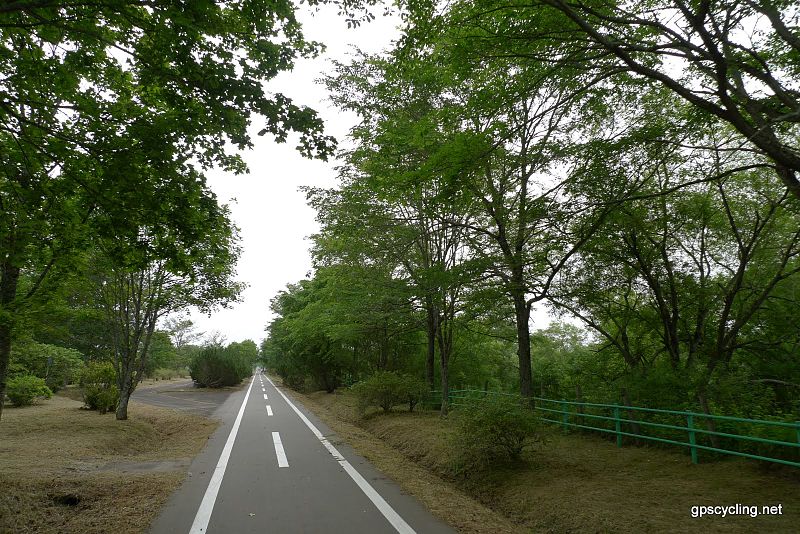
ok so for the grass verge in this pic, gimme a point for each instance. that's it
(573, 482)
(64, 469)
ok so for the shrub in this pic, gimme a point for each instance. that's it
(23, 390)
(490, 433)
(414, 391)
(164, 374)
(59, 366)
(99, 387)
(386, 389)
(216, 367)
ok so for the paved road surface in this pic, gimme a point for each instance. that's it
(184, 396)
(274, 467)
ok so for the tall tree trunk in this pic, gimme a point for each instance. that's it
(522, 315)
(579, 399)
(383, 356)
(430, 362)
(9, 278)
(444, 365)
(444, 355)
(635, 428)
(125, 385)
(354, 365)
(122, 406)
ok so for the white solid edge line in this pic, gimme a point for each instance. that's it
(279, 452)
(269, 410)
(383, 507)
(203, 515)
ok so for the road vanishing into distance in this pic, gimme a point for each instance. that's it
(272, 466)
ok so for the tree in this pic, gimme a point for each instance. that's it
(733, 61)
(138, 285)
(162, 354)
(100, 98)
(298, 345)
(181, 331)
(682, 277)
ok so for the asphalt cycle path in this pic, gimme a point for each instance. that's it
(274, 467)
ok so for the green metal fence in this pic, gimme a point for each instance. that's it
(759, 439)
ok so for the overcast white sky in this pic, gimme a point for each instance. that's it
(268, 208)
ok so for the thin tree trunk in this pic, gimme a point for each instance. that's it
(711, 424)
(122, 406)
(430, 362)
(579, 399)
(522, 316)
(383, 357)
(125, 386)
(9, 278)
(444, 361)
(635, 428)
(354, 369)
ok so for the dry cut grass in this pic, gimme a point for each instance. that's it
(64, 469)
(582, 483)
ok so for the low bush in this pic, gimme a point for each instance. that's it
(386, 389)
(490, 433)
(23, 390)
(164, 374)
(99, 387)
(59, 366)
(216, 367)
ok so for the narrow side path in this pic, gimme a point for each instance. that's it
(274, 467)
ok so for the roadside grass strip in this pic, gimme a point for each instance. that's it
(203, 516)
(383, 507)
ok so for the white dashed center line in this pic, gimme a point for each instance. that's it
(269, 410)
(203, 515)
(276, 440)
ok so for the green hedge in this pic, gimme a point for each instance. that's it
(216, 367)
(23, 390)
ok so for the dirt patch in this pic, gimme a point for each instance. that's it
(583, 483)
(64, 469)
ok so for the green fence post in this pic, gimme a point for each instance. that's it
(564, 415)
(692, 443)
(618, 426)
(797, 428)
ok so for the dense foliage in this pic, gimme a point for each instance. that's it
(99, 387)
(557, 156)
(490, 434)
(216, 366)
(23, 390)
(386, 389)
(58, 366)
(110, 114)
